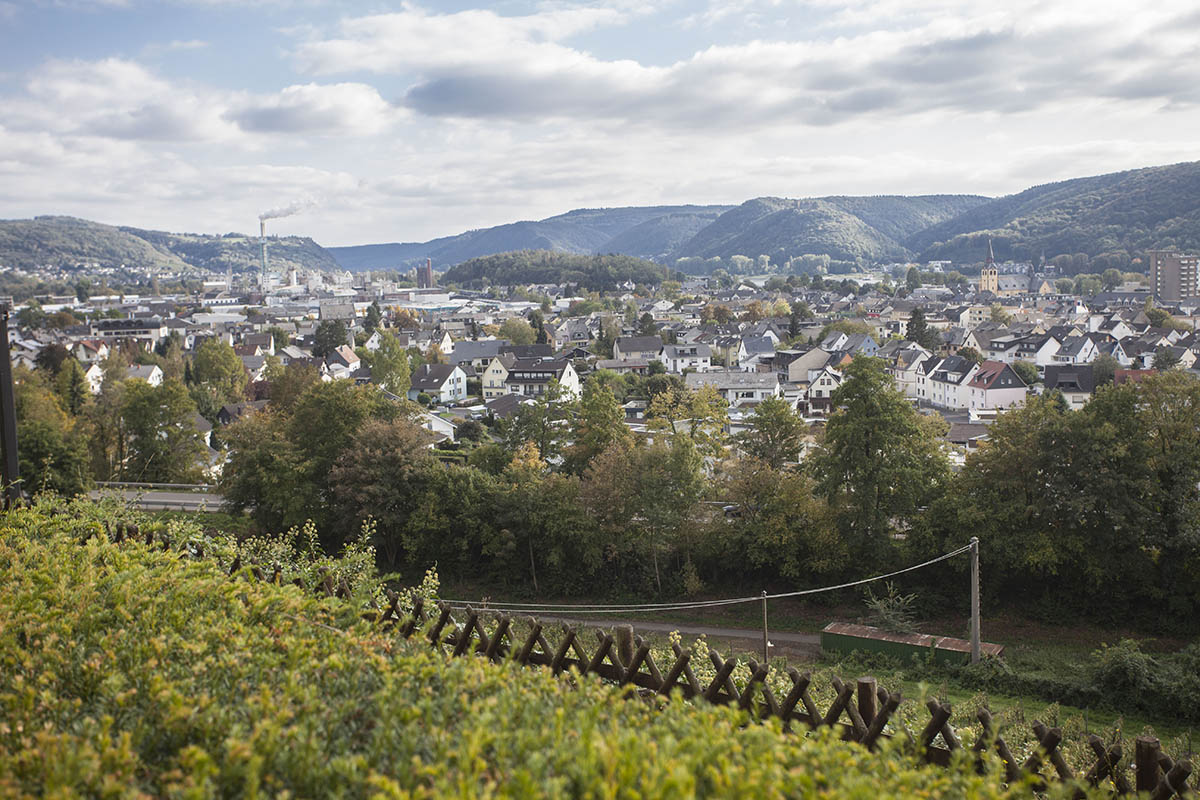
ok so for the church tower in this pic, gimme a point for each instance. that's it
(989, 276)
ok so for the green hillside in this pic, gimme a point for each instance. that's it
(866, 229)
(67, 241)
(584, 230)
(783, 229)
(899, 217)
(137, 671)
(592, 272)
(1123, 213)
(657, 238)
(240, 252)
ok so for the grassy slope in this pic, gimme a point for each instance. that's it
(127, 672)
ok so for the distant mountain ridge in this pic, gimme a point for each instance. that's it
(66, 241)
(1111, 219)
(582, 231)
(1122, 212)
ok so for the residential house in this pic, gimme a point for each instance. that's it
(942, 382)
(232, 412)
(90, 351)
(445, 383)
(1076, 382)
(531, 377)
(755, 351)
(818, 400)
(1076, 350)
(678, 357)
(495, 376)
(625, 366)
(637, 348)
(341, 362)
(995, 385)
(735, 386)
(477, 354)
(95, 378)
(150, 373)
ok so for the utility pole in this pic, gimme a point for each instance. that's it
(8, 417)
(766, 644)
(975, 645)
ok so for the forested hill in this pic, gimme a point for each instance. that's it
(864, 229)
(1123, 213)
(584, 230)
(592, 272)
(66, 241)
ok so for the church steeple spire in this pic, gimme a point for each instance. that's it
(991, 258)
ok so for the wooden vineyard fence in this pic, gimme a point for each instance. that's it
(860, 711)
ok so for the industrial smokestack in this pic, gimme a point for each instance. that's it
(262, 242)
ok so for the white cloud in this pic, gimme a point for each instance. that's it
(1021, 58)
(343, 108)
(121, 99)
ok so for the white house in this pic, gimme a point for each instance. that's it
(943, 382)
(995, 385)
(530, 377)
(150, 373)
(737, 387)
(678, 357)
(443, 382)
(94, 377)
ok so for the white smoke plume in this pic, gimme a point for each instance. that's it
(294, 207)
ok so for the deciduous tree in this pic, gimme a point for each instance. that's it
(774, 435)
(880, 461)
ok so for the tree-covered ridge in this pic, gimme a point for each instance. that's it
(134, 671)
(66, 241)
(592, 272)
(782, 229)
(658, 238)
(59, 241)
(583, 230)
(849, 229)
(1123, 213)
(240, 252)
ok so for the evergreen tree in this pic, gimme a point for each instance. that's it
(71, 386)
(330, 335)
(920, 332)
(374, 317)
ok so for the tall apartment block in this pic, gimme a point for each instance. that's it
(1173, 276)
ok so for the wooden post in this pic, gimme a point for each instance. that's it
(625, 649)
(8, 418)
(1145, 759)
(766, 644)
(866, 699)
(975, 644)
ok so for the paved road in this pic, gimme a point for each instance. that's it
(167, 501)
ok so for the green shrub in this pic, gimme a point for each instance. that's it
(1123, 669)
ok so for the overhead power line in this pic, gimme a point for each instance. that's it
(634, 608)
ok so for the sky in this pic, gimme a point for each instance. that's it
(378, 121)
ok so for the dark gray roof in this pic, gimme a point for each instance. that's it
(1070, 378)
(431, 376)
